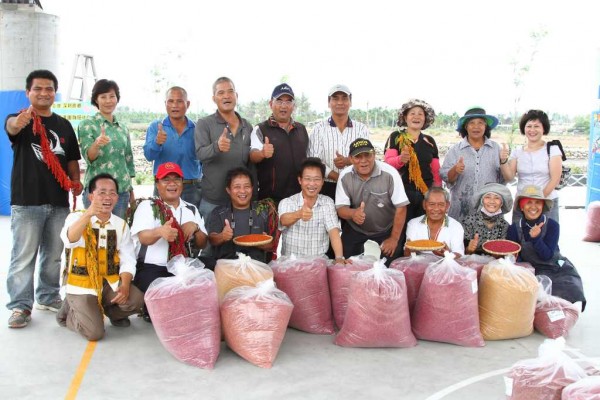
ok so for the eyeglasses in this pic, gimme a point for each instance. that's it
(104, 193)
(166, 181)
(316, 180)
(283, 102)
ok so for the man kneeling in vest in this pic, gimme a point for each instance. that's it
(101, 265)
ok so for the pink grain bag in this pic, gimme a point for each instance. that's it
(377, 314)
(185, 312)
(255, 320)
(543, 377)
(304, 280)
(587, 388)
(592, 222)
(554, 316)
(413, 267)
(475, 261)
(243, 271)
(507, 298)
(446, 309)
(339, 276)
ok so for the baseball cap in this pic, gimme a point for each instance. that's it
(168, 168)
(282, 89)
(339, 88)
(360, 146)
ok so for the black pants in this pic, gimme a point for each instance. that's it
(413, 209)
(147, 273)
(354, 242)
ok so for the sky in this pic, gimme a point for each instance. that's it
(452, 54)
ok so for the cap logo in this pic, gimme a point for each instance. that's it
(360, 143)
(169, 165)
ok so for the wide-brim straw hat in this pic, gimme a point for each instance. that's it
(533, 192)
(477, 112)
(499, 189)
(429, 112)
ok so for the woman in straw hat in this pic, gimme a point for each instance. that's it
(415, 156)
(486, 221)
(472, 162)
(538, 236)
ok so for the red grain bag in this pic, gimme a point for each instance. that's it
(446, 309)
(413, 268)
(587, 388)
(507, 297)
(255, 320)
(339, 276)
(304, 280)
(244, 271)
(543, 377)
(475, 261)
(185, 312)
(592, 223)
(377, 314)
(554, 316)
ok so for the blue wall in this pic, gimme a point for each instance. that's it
(10, 102)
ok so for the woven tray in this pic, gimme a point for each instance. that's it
(488, 247)
(424, 245)
(256, 240)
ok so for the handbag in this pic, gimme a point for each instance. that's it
(565, 174)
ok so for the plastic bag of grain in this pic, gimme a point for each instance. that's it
(339, 276)
(413, 268)
(476, 262)
(592, 222)
(446, 309)
(241, 272)
(304, 280)
(507, 298)
(543, 377)
(554, 317)
(377, 314)
(587, 388)
(185, 312)
(255, 320)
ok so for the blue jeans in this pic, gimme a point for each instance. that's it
(35, 229)
(121, 206)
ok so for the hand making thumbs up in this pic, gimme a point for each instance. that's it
(460, 165)
(405, 155)
(359, 215)
(306, 212)
(24, 118)
(339, 161)
(224, 142)
(267, 149)
(473, 244)
(536, 230)
(504, 153)
(227, 232)
(167, 231)
(161, 135)
(102, 140)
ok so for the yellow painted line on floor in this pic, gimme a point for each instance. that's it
(79, 374)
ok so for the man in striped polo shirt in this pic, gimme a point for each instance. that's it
(370, 197)
(330, 138)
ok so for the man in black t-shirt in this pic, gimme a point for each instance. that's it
(45, 168)
(240, 217)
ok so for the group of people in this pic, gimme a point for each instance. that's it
(219, 178)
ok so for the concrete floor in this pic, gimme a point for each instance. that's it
(43, 361)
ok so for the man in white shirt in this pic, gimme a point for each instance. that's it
(331, 138)
(162, 227)
(101, 265)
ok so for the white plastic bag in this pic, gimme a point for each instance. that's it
(255, 320)
(241, 272)
(185, 312)
(543, 377)
(377, 314)
(413, 267)
(304, 280)
(446, 309)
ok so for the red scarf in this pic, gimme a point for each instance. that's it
(50, 158)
